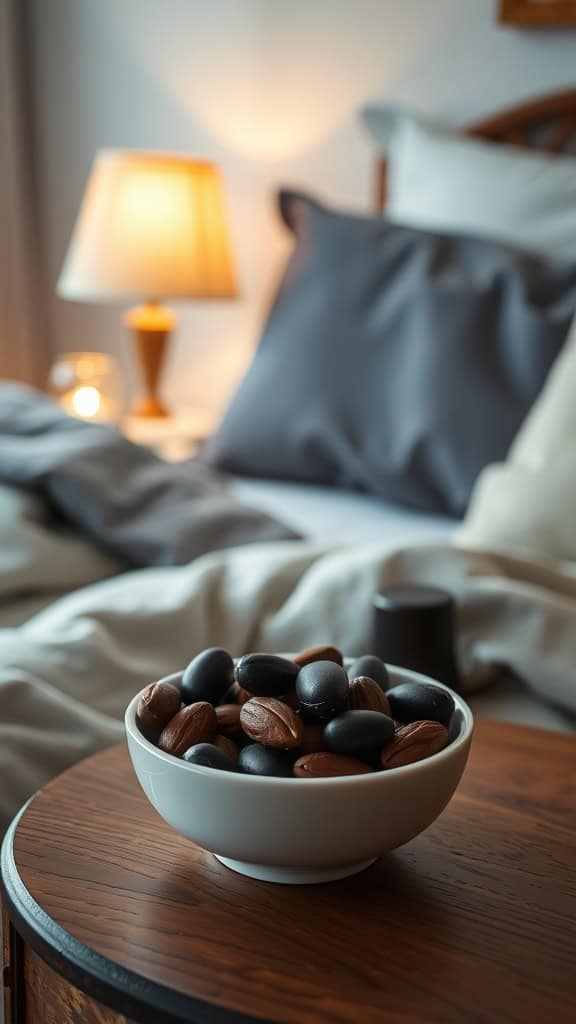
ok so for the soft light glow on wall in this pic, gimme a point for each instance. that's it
(281, 122)
(277, 119)
(271, 81)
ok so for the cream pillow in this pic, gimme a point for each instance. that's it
(528, 503)
(441, 180)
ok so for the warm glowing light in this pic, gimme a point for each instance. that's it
(85, 402)
(150, 225)
(88, 385)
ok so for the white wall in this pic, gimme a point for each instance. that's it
(269, 89)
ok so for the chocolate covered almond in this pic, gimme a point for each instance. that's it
(272, 723)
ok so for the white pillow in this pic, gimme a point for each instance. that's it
(442, 181)
(528, 503)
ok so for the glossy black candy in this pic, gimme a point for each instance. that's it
(322, 690)
(414, 702)
(258, 760)
(360, 734)
(210, 756)
(266, 675)
(208, 676)
(371, 666)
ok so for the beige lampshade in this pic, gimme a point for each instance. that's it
(150, 225)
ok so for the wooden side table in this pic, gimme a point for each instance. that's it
(112, 917)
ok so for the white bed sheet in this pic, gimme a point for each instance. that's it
(333, 516)
(509, 700)
(320, 514)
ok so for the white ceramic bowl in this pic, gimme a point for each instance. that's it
(301, 830)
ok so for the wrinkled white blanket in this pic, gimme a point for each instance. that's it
(67, 672)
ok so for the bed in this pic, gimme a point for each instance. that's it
(115, 570)
(325, 515)
(545, 124)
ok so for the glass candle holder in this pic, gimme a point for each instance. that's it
(88, 385)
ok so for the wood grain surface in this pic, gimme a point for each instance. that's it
(473, 921)
(8, 973)
(51, 1000)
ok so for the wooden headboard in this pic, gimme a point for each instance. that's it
(547, 123)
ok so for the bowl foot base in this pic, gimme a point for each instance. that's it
(294, 876)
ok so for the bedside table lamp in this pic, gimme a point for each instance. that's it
(151, 226)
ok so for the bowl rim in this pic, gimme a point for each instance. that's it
(402, 675)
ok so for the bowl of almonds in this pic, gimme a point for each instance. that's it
(302, 768)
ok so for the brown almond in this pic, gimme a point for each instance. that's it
(414, 742)
(366, 695)
(157, 705)
(227, 745)
(271, 722)
(324, 765)
(195, 723)
(313, 738)
(228, 719)
(237, 694)
(291, 700)
(324, 653)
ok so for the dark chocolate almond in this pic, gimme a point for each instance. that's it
(208, 676)
(266, 675)
(420, 702)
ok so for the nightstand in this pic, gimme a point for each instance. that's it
(174, 438)
(112, 917)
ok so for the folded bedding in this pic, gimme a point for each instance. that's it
(41, 558)
(131, 504)
(79, 503)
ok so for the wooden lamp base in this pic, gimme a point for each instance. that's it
(151, 327)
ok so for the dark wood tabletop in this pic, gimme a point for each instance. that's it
(473, 921)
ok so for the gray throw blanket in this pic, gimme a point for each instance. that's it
(116, 494)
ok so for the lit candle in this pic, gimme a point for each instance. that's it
(86, 402)
(88, 386)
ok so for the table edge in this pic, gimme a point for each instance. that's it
(116, 987)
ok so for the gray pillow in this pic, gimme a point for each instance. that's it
(394, 361)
